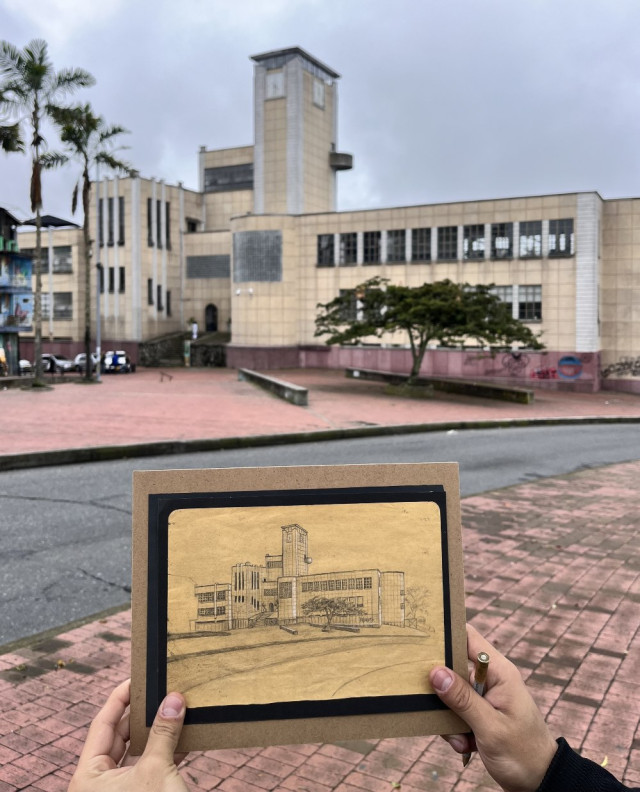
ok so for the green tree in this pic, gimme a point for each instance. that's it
(444, 312)
(88, 139)
(330, 607)
(30, 90)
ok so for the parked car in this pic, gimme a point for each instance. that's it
(25, 366)
(80, 361)
(53, 363)
(116, 362)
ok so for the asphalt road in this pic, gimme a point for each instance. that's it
(65, 531)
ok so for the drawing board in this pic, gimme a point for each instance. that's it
(296, 605)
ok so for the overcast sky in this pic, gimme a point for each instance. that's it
(440, 100)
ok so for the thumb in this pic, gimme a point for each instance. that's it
(165, 732)
(459, 696)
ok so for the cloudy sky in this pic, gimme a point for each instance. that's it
(439, 100)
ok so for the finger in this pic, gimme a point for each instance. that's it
(120, 739)
(165, 732)
(461, 743)
(460, 697)
(100, 738)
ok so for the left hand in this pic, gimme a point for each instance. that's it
(105, 766)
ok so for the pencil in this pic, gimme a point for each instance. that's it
(479, 682)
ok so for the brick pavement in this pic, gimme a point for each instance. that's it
(553, 578)
(210, 403)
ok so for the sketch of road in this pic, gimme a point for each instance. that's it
(386, 661)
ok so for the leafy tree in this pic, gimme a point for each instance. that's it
(330, 607)
(415, 604)
(30, 90)
(88, 139)
(446, 312)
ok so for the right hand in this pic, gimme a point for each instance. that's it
(509, 731)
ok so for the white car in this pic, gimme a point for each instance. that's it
(56, 363)
(25, 366)
(80, 361)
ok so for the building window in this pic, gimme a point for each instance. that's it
(101, 276)
(121, 280)
(530, 303)
(561, 242)
(473, 242)
(257, 256)
(367, 582)
(220, 610)
(45, 304)
(110, 222)
(206, 611)
(275, 85)
(121, 220)
(350, 309)
(371, 249)
(285, 590)
(62, 305)
(149, 223)
(168, 302)
(420, 244)
(206, 596)
(100, 221)
(531, 239)
(502, 240)
(396, 246)
(221, 595)
(112, 280)
(447, 243)
(348, 249)
(159, 297)
(149, 291)
(325, 250)
(228, 178)
(504, 294)
(192, 225)
(167, 217)
(318, 93)
(159, 224)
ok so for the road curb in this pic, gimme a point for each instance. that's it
(70, 456)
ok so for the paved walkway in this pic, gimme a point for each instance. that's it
(211, 403)
(552, 576)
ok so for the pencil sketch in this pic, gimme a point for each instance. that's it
(363, 617)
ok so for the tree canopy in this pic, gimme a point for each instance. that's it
(330, 607)
(442, 312)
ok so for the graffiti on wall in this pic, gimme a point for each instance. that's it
(520, 364)
(545, 373)
(626, 365)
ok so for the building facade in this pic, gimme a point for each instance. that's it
(275, 593)
(259, 244)
(16, 298)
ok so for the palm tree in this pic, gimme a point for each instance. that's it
(88, 139)
(30, 90)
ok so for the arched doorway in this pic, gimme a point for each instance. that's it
(211, 318)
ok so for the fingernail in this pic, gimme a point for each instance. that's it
(171, 706)
(441, 680)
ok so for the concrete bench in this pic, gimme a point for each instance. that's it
(295, 394)
(486, 390)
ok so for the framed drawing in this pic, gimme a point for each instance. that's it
(296, 605)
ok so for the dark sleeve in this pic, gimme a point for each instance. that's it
(570, 772)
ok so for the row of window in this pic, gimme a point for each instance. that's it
(62, 305)
(342, 249)
(158, 296)
(345, 584)
(220, 610)
(110, 221)
(62, 261)
(211, 596)
(525, 301)
(158, 240)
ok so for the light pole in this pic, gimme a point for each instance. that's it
(99, 276)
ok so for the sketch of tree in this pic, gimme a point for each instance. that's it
(415, 606)
(330, 607)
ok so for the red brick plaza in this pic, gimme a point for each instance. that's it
(553, 579)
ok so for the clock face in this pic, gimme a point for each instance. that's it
(275, 85)
(318, 93)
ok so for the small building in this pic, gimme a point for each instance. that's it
(16, 298)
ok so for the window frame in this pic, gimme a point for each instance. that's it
(448, 243)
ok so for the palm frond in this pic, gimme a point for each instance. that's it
(10, 139)
(52, 159)
(106, 158)
(70, 79)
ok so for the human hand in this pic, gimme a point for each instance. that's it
(509, 731)
(105, 766)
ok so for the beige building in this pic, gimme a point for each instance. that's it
(260, 243)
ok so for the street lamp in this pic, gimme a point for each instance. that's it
(99, 282)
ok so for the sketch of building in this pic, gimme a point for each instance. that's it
(275, 593)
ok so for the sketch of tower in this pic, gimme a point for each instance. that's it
(295, 558)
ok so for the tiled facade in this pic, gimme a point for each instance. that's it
(259, 245)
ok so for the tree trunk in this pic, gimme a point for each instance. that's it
(86, 192)
(37, 304)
